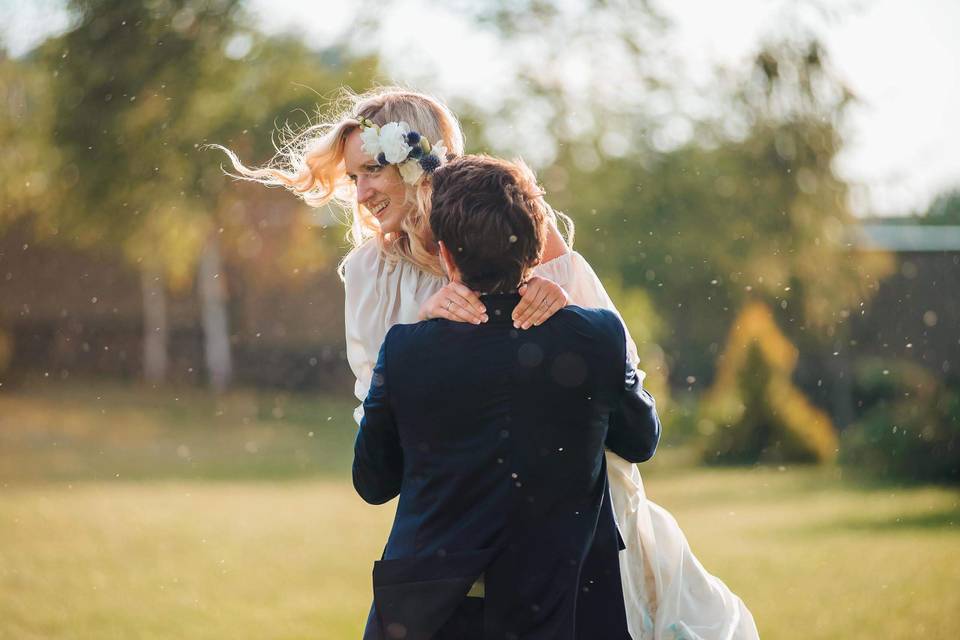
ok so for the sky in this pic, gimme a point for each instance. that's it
(901, 59)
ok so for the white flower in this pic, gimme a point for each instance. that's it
(370, 138)
(439, 150)
(410, 171)
(392, 142)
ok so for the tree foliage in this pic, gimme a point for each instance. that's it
(945, 209)
(753, 412)
(750, 209)
(909, 429)
(139, 87)
(28, 164)
(130, 94)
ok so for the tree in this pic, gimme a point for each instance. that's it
(751, 209)
(579, 74)
(753, 412)
(124, 76)
(29, 163)
(945, 209)
(140, 86)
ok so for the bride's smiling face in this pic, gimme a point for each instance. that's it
(380, 189)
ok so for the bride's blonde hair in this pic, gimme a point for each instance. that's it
(310, 164)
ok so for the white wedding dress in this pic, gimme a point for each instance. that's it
(668, 593)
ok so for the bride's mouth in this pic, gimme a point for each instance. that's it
(375, 211)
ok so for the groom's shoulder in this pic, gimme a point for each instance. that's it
(400, 335)
(598, 327)
(598, 320)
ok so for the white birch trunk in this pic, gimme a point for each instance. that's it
(213, 310)
(155, 330)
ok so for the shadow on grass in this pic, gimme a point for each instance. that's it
(946, 519)
(936, 520)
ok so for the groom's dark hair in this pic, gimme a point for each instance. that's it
(490, 215)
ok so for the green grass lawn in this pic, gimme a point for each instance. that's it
(126, 514)
(109, 432)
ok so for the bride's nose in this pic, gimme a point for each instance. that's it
(364, 189)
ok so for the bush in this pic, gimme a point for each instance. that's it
(753, 413)
(910, 426)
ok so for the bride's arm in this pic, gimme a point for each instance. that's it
(554, 246)
(583, 286)
(541, 297)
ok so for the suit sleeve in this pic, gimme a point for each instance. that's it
(377, 454)
(634, 424)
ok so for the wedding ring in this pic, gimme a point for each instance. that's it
(449, 302)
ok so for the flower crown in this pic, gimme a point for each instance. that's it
(394, 143)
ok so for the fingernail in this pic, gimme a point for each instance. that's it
(516, 325)
(484, 317)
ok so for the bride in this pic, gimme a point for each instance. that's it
(375, 158)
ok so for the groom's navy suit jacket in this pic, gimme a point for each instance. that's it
(494, 440)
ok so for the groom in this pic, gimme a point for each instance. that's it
(494, 440)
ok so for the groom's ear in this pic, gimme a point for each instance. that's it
(448, 264)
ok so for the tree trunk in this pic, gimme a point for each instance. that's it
(213, 309)
(155, 331)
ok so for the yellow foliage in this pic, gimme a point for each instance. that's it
(170, 239)
(754, 325)
(753, 403)
(813, 427)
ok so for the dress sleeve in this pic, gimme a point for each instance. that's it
(378, 293)
(358, 270)
(572, 272)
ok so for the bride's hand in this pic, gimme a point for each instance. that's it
(454, 302)
(539, 299)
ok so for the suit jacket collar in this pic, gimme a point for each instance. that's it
(500, 306)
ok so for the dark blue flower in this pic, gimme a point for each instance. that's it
(429, 163)
(413, 138)
(416, 153)
(382, 158)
